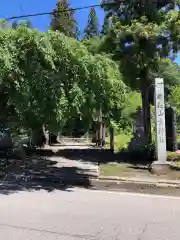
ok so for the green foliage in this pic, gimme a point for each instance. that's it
(92, 29)
(63, 20)
(121, 141)
(135, 50)
(142, 33)
(168, 70)
(52, 78)
(174, 98)
(138, 38)
(173, 157)
(135, 9)
(93, 44)
(123, 116)
(131, 104)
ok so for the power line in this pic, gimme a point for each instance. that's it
(62, 11)
(67, 10)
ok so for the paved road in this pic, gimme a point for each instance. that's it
(86, 214)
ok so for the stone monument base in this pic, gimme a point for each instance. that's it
(159, 168)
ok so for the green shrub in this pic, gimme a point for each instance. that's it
(121, 141)
(173, 157)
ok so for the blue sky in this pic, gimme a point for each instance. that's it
(11, 8)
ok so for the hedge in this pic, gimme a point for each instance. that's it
(173, 156)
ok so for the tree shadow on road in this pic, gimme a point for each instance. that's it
(39, 173)
(99, 156)
(93, 155)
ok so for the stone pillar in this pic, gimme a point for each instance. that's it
(160, 166)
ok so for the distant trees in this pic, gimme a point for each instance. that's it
(14, 24)
(63, 19)
(92, 28)
(3, 23)
(26, 23)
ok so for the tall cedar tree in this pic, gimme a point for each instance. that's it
(63, 19)
(106, 26)
(142, 33)
(92, 29)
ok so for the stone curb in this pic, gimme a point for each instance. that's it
(136, 181)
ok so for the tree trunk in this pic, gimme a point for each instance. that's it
(112, 139)
(100, 137)
(52, 138)
(100, 134)
(38, 137)
(46, 136)
(146, 107)
(97, 136)
(103, 135)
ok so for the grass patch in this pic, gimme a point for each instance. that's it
(121, 141)
(173, 156)
(113, 170)
(122, 170)
(137, 171)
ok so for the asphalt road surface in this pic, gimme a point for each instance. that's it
(86, 214)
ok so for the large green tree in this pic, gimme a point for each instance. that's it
(63, 19)
(142, 33)
(52, 78)
(92, 28)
